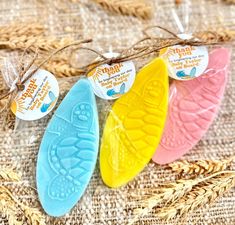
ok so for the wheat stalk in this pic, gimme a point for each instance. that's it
(8, 174)
(44, 45)
(202, 195)
(139, 8)
(33, 215)
(10, 206)
(222, 35)
(170, 194)
(15, 30)
(40, 44)
(200, 167)
(229, 1)
(178, 2)
(59, 66)
(62, 68)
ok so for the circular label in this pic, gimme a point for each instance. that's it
(185, 62)
(112, 81)
(38, 97)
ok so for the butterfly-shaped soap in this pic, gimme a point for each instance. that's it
(134, 126)
(193, 106)
(68, 151)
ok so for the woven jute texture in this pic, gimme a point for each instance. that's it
(84, 19)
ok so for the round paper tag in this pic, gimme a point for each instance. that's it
(185, 62)
(38, 97)
(112, 81)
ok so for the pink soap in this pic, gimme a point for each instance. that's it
(193, 105)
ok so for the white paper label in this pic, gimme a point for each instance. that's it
(38, 97)
(112, 81)
(185, 62)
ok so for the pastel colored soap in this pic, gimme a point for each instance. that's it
(193, 105)
(68, 151)
(134, 126)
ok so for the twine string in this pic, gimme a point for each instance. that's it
(145, 31)
(146, 46)
(20, 84)
(136, 51)
(22, 76)
(139, 50)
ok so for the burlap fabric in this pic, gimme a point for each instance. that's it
(101, 205)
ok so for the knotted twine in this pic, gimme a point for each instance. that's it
(148, 45)
(25, 73)
(142, 48)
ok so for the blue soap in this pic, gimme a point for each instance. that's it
(68, 152)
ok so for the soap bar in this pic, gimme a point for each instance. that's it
(68, 151)
(134, 126)
(193, 106)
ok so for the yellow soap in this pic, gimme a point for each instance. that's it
(134, 126)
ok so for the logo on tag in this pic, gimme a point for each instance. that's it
(112, 81)
(185, 62)
(38, 97)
